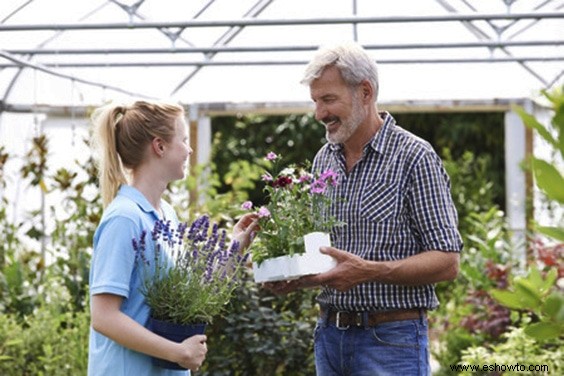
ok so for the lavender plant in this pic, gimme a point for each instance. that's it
(189, 273)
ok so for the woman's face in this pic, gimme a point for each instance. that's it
(179, 151)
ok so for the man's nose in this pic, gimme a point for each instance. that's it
(320, 112)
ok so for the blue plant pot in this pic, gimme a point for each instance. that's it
(176, 333)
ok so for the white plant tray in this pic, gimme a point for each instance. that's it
(292, 267)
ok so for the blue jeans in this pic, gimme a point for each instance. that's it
(391, 348)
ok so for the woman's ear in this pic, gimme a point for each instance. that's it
(157, 145)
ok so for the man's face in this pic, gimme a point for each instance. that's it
(336, 105)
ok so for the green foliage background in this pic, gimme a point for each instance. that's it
(475, 136)
(44, 313)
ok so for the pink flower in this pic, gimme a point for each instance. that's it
(329, 176)
(266, 177)
(271, 156)
(305, 178)
(263, 212)
(247, 205)
(318, 186)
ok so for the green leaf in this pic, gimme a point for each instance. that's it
(556, 233)
(509, 299)
(548, 179)
(561, 136)
(544, 330)
(528, 295)
(553, 305)
(550, 280)
(13, 342)
(557, 100)
(534, 278)
(530, 121)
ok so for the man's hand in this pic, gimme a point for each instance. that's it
(343, 277)
(423, 268)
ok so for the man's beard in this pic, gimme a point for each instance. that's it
(349, 125)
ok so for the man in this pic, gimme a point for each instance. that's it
(400, 235)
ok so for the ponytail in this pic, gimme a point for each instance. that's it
(111, 173)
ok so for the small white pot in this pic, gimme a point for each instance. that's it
(291, 267)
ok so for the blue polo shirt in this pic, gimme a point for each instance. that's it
(114, 271)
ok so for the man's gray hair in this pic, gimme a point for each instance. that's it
(352, 60)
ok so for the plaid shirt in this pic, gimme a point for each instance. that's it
(395, 203)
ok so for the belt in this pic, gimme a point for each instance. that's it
(345, 319)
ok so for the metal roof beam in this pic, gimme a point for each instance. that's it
(42, 68)
(285, 21)
(231, 108)
(229, 49)
(107, 64)
(225, 38)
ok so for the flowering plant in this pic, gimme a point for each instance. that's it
(189, 274)
(298, 204)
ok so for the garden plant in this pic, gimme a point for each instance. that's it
(494, 311)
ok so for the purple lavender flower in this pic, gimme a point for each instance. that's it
(139, 248)
(195, 228)
(243, 259)
(157, 229)
(205, 225)
(187, 259)
(221, 245)
(181, 231)
(212, 240)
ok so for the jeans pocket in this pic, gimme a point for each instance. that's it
(316, 331)
(397, 333)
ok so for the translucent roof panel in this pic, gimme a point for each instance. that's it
(68, 52)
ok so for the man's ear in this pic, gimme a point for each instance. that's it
(366, 91)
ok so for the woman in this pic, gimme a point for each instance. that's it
(142, 148)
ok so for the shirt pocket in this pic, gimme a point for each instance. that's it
(379, 202)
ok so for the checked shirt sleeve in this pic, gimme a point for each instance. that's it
(434, 215)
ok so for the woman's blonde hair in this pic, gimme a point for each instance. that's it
(121, 135)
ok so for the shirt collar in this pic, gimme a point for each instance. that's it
(136, 196)
(377, 142)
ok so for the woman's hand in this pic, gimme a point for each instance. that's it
(245, 229)
(193, 352)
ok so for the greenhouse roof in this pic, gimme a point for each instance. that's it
(69, 53)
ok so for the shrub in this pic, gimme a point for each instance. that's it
(263, 334)
(51, 341)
